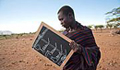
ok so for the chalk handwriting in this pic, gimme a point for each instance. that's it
(61, 53)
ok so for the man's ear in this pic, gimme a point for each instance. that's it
(70, 15)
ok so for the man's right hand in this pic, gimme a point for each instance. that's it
(75, 46)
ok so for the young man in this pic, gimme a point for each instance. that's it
(86, 53)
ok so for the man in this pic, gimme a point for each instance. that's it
(86, 53)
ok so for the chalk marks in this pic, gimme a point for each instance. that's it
(53, 50)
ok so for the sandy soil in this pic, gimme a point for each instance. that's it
(17, 54)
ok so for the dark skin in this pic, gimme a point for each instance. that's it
(68, 21)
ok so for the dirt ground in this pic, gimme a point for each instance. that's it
(17, 53)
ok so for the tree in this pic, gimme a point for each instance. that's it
(99, 26)
(96, 27)
(89, 26)
(116, 25)
(113, 17)
(109, 25)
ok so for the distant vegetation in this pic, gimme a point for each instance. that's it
(61, 30)
(113, 18)
(17, 36)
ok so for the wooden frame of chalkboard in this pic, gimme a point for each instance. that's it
(46, 38)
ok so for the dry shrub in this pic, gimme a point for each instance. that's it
(115, 32)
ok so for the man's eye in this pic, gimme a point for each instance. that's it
(61, 19)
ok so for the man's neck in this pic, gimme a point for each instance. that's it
(73, 25)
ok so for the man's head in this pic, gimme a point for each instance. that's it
(66, 16)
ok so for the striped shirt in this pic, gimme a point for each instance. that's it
(89, 54)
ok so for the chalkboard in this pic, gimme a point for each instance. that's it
(52, 44)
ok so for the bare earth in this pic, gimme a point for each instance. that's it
(17, 53)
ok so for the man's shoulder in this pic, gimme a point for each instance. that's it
(82, 26)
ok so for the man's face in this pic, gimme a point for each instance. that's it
(64, 20)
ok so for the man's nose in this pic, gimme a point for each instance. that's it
(62, 22)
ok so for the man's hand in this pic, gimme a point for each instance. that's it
(75, 46)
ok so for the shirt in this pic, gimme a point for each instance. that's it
(88, 55)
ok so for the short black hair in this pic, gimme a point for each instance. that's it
(66, 10)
